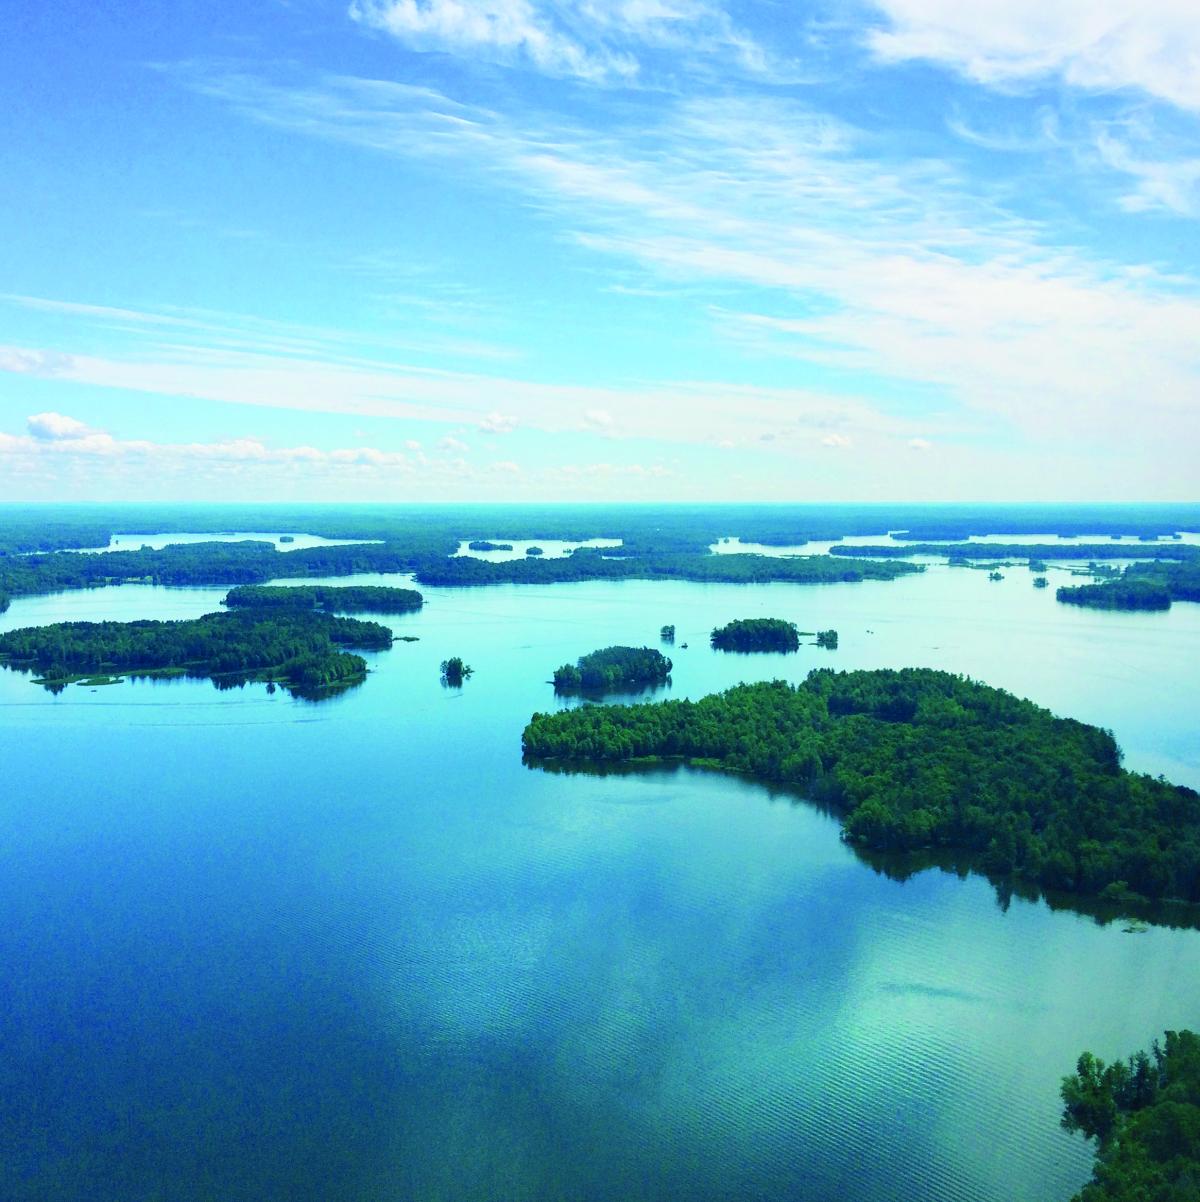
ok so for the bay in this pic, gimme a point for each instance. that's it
(259, 947)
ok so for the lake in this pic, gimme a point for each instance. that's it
(264, 948)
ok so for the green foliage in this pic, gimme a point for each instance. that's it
(827, 638)
(667, 634)
(919, 759)
(483, 544)
(454, 671)
(1040, 551)
(756, 634)
(1040, 582)
(589, 564)
(332, 598)
(534, 551)
(1140, 586)
(995, 575)
(1117, 594)
(1144, 1114)
(302, 649)
(613, 668)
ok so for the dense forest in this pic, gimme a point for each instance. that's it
(1139, 586)
(347, 599)
(924, 759)
(455, 671)
(1144, 1114)
(613, 668)
(304, 650)
(756, 634)
(482, 544)
(590, 564)
(429, 529)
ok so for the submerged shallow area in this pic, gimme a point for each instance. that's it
(355, 949)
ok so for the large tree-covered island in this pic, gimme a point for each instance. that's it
(756, 634)
(916, 759)
(613, 668)
(306, 651)
(348, 598)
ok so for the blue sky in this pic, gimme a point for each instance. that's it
(565, 249)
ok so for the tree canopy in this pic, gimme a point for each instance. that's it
(756, 634)
(331, 598)
(301, 649)
(1144, 1114)
(613, 668)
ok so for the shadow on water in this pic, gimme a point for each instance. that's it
(901, 866)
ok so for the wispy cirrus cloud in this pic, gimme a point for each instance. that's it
(614, 42)
(1152, 46)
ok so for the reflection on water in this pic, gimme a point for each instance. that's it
(262, 948)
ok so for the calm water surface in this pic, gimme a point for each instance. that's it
(262, 948)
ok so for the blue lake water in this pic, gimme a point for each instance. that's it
(258, 947)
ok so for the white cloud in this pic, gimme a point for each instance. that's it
(450, 443)
(840, 441)
(506, 30)
(598, 419)
(498, 423)
(596, 41)
(919, 444)
(52, 426)
(1149, 45)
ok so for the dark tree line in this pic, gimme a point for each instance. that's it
(328, 597)
(919, 759)
(1144, 1114)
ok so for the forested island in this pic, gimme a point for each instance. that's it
(1144, 1114)
(483, 544)
(827, 639)
(1139, 586)
(920, 759)
(756, 634)
(306, 651)
(613, 668)
(358, 598)
(222, 563)
(1184, 552)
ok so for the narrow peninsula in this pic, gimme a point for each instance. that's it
(346, 599)
(916, 759)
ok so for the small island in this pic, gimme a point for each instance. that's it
(303, 650)
(534, 551)
(327, 597)
(287, 538)
(454, 671)
(995, 575)
(483, 544)
(613, 668)
(921, 759)
(827, 639)
(1144, 1114)
(667, 634)
(1040, 582)
(756, 634)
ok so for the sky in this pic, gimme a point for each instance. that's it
(523, 250)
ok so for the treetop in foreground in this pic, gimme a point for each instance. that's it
(1144, 1114)
(613, 668)
(921, 759)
